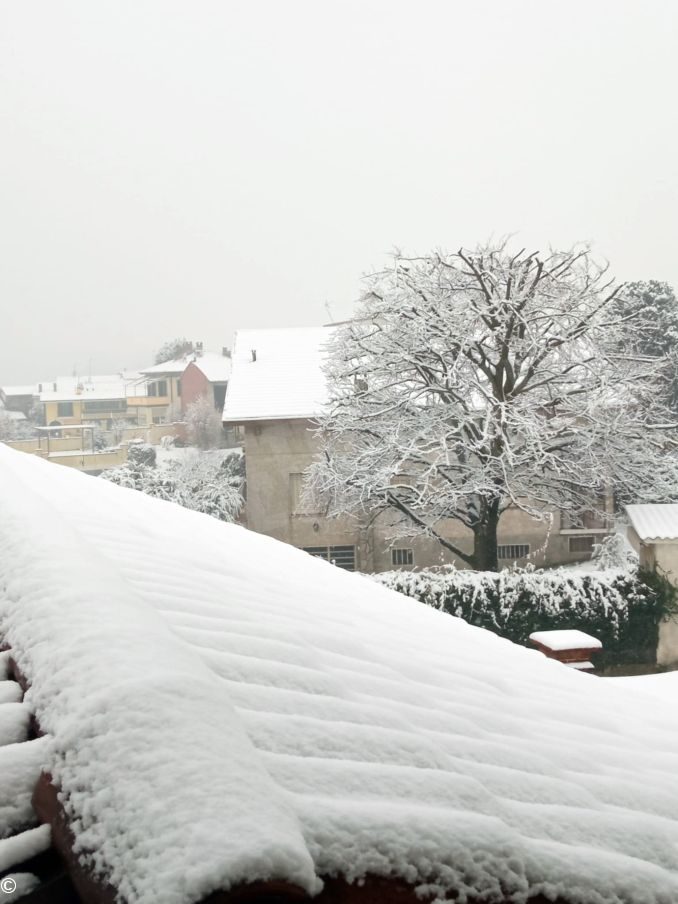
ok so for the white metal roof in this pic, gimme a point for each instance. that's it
(277, 374)
(654, 521)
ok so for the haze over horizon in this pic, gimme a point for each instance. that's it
(174, 169)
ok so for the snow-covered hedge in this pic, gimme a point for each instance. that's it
(622, 609)
(207, 482)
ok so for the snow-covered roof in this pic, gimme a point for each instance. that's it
(98, 387)
(222, 708)
(277, 373)
(175, 367)
(26, 390)
(216, 367)
(654, 521)
(11, 415)
(565, 640)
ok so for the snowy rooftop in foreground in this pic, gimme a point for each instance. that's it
(654, 521)
(277, 374)
(224, 708)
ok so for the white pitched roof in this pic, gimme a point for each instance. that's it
(216, 367)
(175, 367)
(268, 716)
(277, 373)
(654, 521)
(20, 390)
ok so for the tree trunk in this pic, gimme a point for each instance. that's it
(485, 537)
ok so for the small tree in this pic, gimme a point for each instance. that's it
(481, 380)
(203, 424)
(175, 348)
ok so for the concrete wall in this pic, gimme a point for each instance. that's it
(66, 443)
(276, 449)
(93, 462)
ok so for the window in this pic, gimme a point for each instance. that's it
(581, 544)
(297, 504)
(65, 409)
(402, 557)
(513, 551)
(105, 405)
(157, 389)
(341, 556)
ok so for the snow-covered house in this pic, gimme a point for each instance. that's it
(277, 389)
(206, 374)
(211, 715)
(21, 399)
(175, 384)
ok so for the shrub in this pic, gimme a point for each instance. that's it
(207, 482)
(622, 609)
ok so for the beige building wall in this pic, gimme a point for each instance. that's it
(275, 450)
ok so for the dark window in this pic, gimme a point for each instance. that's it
(341, 556)
(581, 544)
(513, 551)
(65, 409)
(402, 557)
(157, 389)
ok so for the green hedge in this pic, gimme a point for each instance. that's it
(622, 609)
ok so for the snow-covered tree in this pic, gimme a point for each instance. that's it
(475, 381)
(207, 482)
(12, 428)
(203, 424)
(652, 328)
(175, 348)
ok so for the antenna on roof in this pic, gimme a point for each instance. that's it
(329, 310)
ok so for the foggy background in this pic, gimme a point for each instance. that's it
(188, 168)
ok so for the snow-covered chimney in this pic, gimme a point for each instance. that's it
(254, 354)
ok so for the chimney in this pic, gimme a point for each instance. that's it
(254, 354)
(226, 352)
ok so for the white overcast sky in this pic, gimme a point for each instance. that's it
(187, 168)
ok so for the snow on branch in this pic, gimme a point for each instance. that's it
(479, 380)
